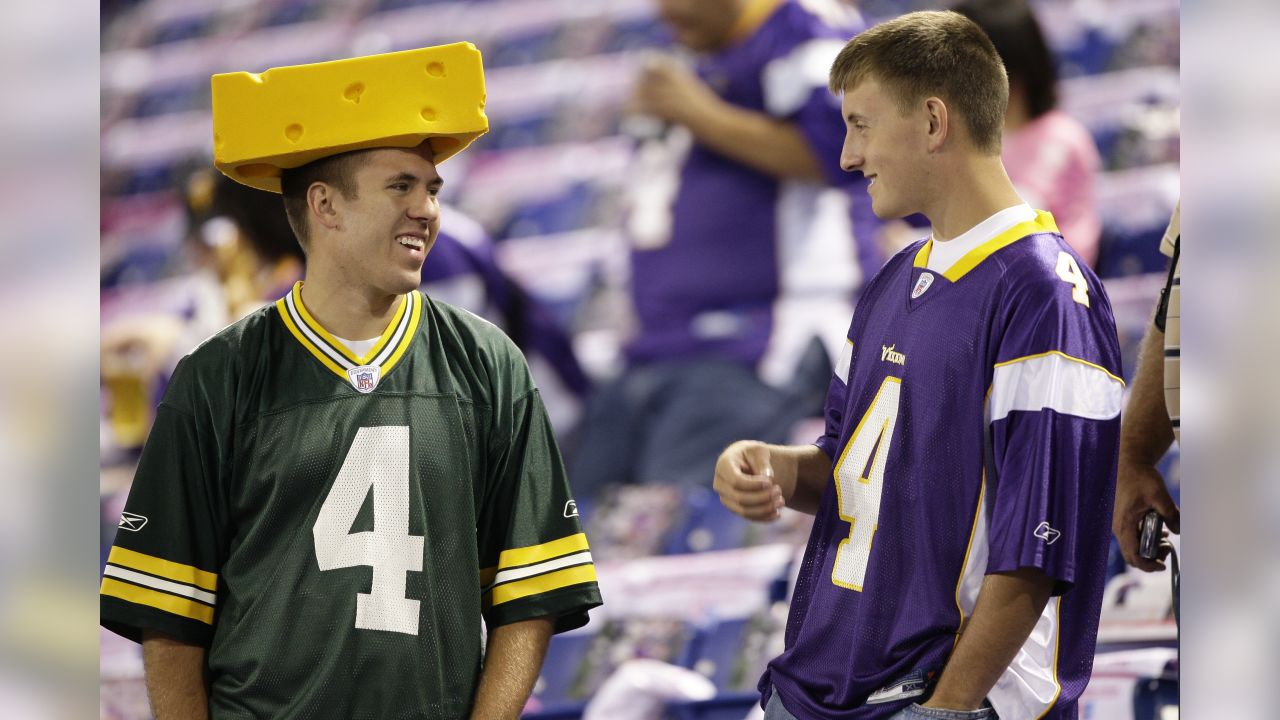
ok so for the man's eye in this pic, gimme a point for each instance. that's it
(400, 186)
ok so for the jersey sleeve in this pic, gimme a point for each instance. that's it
(162, 570)
(795, 90)
(1054, 414)
(535, 560)
(833, 411)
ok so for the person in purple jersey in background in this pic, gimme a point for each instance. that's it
(962, 490)
(748, 242)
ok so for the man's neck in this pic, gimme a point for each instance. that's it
(345, 309)
(978, 189)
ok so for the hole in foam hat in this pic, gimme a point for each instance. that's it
(429, 114)
(353, 92)
(435, 69)
(258, 170)
(293, 132)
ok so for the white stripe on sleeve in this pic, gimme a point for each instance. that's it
(160, 584)
(844, 361)
(1054, 382)
(788, 80)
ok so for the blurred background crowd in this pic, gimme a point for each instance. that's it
(673, 290)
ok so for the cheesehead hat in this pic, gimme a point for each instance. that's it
(289, 116)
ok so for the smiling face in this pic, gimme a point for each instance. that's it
(383, 231)
(890, 147)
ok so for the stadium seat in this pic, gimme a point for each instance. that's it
(708, 525)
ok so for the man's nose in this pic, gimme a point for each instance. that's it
(850, 158)
(426, 209)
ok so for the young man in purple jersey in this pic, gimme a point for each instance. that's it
(963, 487)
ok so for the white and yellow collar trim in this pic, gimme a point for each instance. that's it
(363, 372)
(1043, 223)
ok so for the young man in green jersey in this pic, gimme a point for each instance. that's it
(339, 488)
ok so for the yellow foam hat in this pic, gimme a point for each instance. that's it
(289, 116)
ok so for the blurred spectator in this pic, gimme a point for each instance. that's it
(748, 242)
(1151, 419)
(1049, 155)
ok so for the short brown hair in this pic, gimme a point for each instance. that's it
(926, 53)
(336, 170)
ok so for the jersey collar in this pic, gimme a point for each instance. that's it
(1043, 223)
(333, 354)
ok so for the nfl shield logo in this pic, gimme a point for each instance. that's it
(365, 377)
(926, 279)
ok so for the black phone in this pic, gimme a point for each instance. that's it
(1149, 538)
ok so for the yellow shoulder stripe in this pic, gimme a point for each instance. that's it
(544, 583)
(167, 569)
(161, 600)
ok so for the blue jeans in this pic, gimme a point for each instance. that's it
(773, 710)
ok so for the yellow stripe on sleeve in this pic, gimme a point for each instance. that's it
(167, 569)
(537, 553)
(544, 583)
(161, 600)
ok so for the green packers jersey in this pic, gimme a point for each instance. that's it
(333, 528)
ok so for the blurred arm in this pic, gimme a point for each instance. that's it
(775, 147)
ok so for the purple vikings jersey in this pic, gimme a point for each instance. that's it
(974, 427)
(729, 262)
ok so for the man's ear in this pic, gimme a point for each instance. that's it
(321, 207)
(936, 112)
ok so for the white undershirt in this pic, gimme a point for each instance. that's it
(946, 253)
(358, 347)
